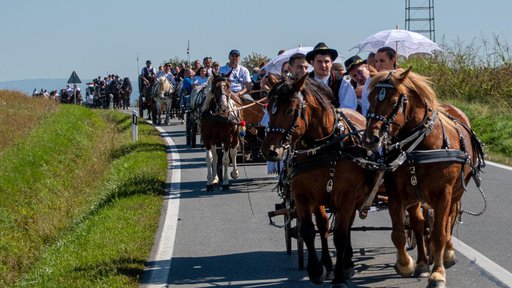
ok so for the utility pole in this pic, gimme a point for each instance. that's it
(419, 17)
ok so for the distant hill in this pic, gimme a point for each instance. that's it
(28, 85)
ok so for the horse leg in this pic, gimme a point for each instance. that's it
(225, 165)
(215, 161)
(316, 271)
(167, 112)
(322, 223)
(234, 173)
(404, 264)
(449, 252)
(417, 223)
(344, 264)
(209, 163)
(439, 238)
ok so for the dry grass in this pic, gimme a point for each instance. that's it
(20, 114)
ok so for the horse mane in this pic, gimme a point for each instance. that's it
(413, 85)
(319, 92)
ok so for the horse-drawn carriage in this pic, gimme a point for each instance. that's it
(336, 160)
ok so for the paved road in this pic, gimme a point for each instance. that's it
(223, 238)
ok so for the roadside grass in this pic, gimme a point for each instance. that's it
(20, 114)
(79, 202)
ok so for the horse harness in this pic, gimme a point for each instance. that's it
(394, 155)
(317, 152)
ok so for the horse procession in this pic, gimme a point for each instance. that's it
(411, 155)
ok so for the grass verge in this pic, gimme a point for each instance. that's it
(80, 202)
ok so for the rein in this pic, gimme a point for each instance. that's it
(257, 102)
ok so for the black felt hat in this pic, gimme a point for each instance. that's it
(321, 48)
(353, 61)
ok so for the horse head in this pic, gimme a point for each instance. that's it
(400, 102)
(164, 87)
(219, 87)
(286, 110)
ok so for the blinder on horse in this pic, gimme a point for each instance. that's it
(399, 106)
(274, 96)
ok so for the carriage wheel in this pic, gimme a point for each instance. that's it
(187, 128)
(288, 233)
(410, 238)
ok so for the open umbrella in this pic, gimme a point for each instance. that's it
(404, 42)
(274, 65)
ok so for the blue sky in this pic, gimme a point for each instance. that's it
(51, 38)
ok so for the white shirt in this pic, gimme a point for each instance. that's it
(347, 95)
(365, 103)
(238, 77)
(198, 81)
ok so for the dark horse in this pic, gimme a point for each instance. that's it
(431, 153)
(322, 141)
(220, 123)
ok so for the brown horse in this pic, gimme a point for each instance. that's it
(432, 153)
(322, 142)
(220, 121)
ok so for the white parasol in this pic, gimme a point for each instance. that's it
(404, 42)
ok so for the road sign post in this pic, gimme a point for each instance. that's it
(74, 79)
(135, 132)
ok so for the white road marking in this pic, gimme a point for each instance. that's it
(485, 263)
(159, 265)
(499, 165)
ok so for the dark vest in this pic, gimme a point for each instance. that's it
(335, 85)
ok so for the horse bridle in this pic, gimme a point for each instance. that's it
(300, 113)
(420, 131)
(223, 93)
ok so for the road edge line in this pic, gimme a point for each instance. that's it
(500, 273)
(158, 267)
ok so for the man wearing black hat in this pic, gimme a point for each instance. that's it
(240, 78)
(321, 58)
(359, 73)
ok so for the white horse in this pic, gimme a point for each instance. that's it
(163, 95)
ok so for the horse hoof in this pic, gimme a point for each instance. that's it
(339, 285)
(349, 273)
(436, 284)
(422, 271)
(235, 174)
(449, 258)
(225, 187)
(405, 270)
(317, 279)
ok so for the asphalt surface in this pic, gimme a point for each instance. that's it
(223, 238)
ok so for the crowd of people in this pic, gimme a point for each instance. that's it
(348, 83)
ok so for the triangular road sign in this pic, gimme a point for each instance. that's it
(73, 79)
